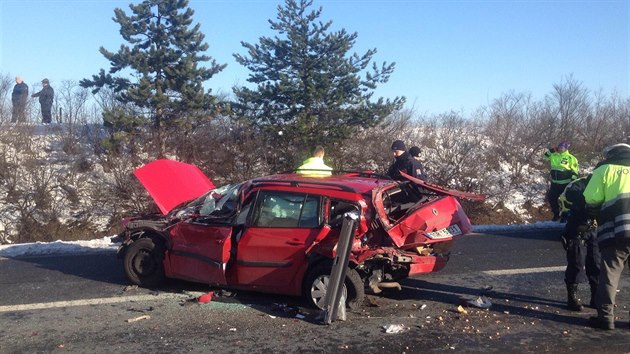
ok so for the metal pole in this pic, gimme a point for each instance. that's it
(337, 278)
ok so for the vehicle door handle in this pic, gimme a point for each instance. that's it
(295, 243)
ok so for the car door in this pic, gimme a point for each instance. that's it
(200, 251)
(271, 251)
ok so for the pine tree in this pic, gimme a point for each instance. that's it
(158, 73)
(309, 87)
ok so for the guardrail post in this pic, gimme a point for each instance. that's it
(334, 290)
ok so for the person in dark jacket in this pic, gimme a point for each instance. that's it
(19, 97)
(580, 242)
(607, 197)
(403, 162)
(46, 97)
(415, 152)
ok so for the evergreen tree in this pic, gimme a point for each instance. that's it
(159, 73)
(308, 87)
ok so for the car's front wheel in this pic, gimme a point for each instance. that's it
(143, 263)
(316, 286)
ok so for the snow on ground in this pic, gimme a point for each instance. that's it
(105, 244)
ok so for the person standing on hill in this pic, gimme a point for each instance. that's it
(19, 97)
(607, 197)
(46, 97)
(563, 169)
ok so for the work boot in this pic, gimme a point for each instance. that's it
(597, 322)
(573, 303)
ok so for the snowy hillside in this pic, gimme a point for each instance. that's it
(59, 184)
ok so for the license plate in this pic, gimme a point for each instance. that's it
(450, 231)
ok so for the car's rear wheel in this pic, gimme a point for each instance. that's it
(316, 286)
(143, 263)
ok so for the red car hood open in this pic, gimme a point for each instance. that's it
(171, 183)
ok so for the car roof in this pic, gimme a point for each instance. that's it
(348, 182)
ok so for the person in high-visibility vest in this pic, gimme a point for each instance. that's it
(607, 196)
(563, 169)
(315, 166)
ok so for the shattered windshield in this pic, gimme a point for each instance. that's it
(219, 201)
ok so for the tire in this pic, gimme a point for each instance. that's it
(317, 282)
(144, 263)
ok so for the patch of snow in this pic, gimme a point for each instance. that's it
(59, 247)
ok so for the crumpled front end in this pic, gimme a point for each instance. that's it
(137, 227)
(420, 224)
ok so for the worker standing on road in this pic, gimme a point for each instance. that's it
(580, 243)
(563, 169)
(315, 165)
(607, 196)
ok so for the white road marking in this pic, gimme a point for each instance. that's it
(120, 299)
(100, 301)
(525, 270)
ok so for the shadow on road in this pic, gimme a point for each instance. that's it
(515, 304)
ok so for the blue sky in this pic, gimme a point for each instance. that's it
(450, 55)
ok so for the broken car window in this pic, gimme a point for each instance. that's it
(279, 209)
(221, 201)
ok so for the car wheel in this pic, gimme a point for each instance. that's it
(317, 283)
(143, 263)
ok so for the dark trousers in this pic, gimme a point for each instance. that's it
(583, 257)
(46, 114)
(614, 259)
(552, 197)
(18, 113)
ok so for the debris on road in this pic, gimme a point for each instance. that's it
(286, 309)
(424, 306)
(461, 309)
(139, 318)
(205, 298)
(130, 288)
(481, 302)
(395, 328)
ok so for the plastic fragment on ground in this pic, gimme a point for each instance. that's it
(481, 302)
(205, 298)
(395, 328)
(139, 318)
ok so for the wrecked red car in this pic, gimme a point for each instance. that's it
(278, 234)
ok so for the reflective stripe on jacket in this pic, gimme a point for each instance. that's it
(564, 166)
(609, 190)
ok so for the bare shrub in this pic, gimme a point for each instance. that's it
(369, 149)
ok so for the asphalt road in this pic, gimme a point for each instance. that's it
(83, 304)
